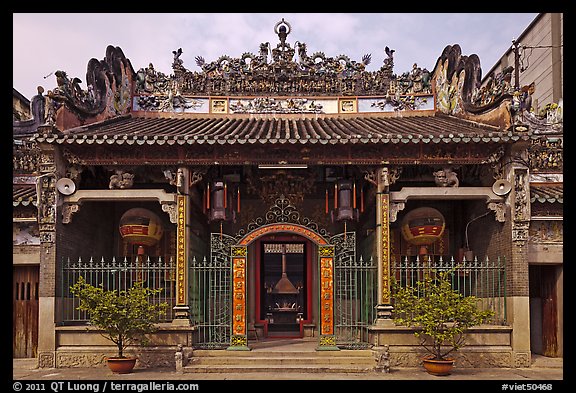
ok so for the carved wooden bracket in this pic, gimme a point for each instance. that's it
(494, 202)
(72, 202)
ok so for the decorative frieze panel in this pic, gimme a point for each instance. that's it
(546, 231)
(546, 155)
(47, 206)
(294, 104)
(25, 158)
(521, 195)
(47, 163)
(46, 360)
(520, 233)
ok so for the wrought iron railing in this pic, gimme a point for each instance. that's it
(211, 294)
(354, 293)
(354, 301)
(481, 277)
(117, 273)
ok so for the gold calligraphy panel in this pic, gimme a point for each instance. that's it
(239, 290)
(326, 295)
(385, 227)
(181, 251)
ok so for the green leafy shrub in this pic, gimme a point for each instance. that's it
(441, 314)
(124, 317)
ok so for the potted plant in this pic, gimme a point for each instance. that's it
(124, 317)
(441, 315)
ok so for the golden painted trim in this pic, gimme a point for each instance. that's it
(385, 228)
(294, 228)
(347, 105)
(219, 105)
(239, 291)
(181, 245)
(327, 295)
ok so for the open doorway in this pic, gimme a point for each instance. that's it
(284, 302)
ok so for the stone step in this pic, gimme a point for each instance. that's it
(322, 368)
(278, 360)
(285, 356)
(286, 353)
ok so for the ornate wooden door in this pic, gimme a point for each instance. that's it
(25, 311)
(549, 311)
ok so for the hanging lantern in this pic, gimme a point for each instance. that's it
(345, 201)
(423, 226)
(218, 203)
(141, 227)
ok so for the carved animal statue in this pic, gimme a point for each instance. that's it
(383, 360)
(121, 180)
(446, 178)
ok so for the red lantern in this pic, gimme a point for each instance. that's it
(423, 226)
(141, 227)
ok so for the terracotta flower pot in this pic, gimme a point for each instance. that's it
(121, 365)
(438, 367)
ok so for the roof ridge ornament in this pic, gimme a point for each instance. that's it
(287, 73)
(282, 28)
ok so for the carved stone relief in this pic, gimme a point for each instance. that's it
(172, 211)
(47, 206)
(46, 360)
(521, 198)
(121, 180)
(446, 178)
(395, 207)
(68, 210)
(499, 209)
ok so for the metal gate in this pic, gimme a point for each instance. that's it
(354, 293)
(210, 289)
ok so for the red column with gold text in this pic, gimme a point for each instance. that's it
(239, 337)
(327, 340)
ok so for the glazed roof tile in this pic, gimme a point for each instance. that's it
(138, 130)
(547, 193)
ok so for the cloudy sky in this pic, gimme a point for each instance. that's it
(47, 42)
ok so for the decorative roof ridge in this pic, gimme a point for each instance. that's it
(471, 122)
(85, 127)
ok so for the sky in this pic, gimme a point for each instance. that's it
(47, 42)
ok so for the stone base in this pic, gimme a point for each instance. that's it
(46, 360)
(94, 357)
(486, 346)
(463, 358)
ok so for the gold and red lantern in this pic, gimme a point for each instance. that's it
(423, 226)
(141, 227)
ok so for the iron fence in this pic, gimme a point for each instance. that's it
(210, 308)
(118, 274)
(483, 278)
(354, 301)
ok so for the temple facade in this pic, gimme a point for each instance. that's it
(283, 195)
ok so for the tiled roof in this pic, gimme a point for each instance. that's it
(131, 130)
(24, 195)
(547, 193)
